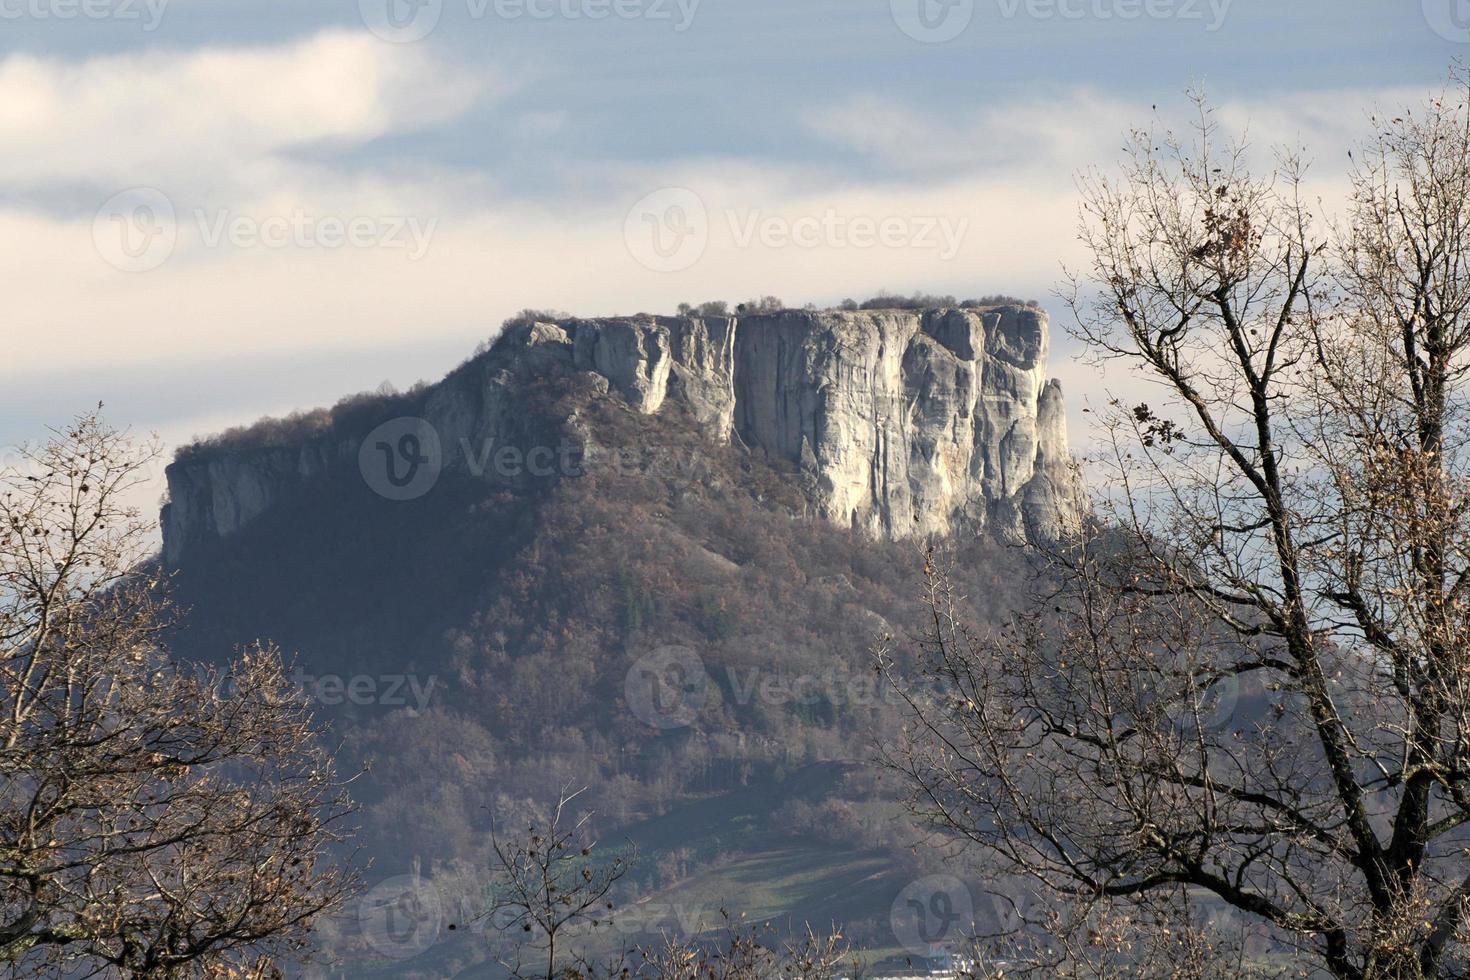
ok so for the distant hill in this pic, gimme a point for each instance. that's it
(646, 555)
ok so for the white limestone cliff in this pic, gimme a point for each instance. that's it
(902, 423)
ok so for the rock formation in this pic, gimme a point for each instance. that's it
(900, 422)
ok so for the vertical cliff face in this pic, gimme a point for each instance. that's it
(900, 423)
(908, 422)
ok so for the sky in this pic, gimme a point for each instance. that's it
(214, 210)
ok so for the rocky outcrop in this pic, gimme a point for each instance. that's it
(901, 423)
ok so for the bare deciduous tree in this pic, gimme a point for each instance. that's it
(155, 821)
(1249, 698)
(547, 885)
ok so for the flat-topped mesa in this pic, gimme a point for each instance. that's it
(902, 422)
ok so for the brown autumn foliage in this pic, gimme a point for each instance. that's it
(155, 820)
(1246, 711)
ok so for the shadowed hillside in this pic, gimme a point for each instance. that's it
(663, 618)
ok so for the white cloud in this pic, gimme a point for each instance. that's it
(217, 128)
(1066, 130)
(1060, 134)
(1326, 124)
(215, 118)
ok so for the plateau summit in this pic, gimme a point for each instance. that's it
(897, 423)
